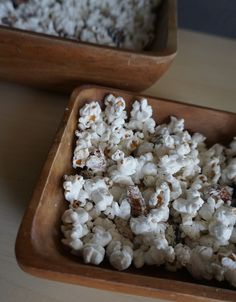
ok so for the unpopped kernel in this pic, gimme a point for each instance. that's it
(149, 194)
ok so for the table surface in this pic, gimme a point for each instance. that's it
(203, 73)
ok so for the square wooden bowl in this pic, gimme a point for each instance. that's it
(61, 64)
(39, 250)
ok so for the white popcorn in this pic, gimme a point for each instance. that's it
(118, 156)
(175, 125)
(121, 210)
(80, 157)
(230, 269)
(76, 244)
(220, 231)
(161, 197)
(208, 209)
(159, 255)
(194, 230)
(141, 117)
(114, 111)
(131, 141)
(90, 185)
(190, 205)
(156, 198)
(93, 253)
(149, 224)
(175, 187)
(144, 167)
(123, 171)
(102, 198)
(226, 215)
(229, 172)
(222, 224)
(69, 216)
(197, 140)
(72, 186)
(182, 253)
(120, 256)
(82, 215)
(200, 262)
(96, 161)
(89, 114)
(76, 232)
(171, 164)
(100, 236)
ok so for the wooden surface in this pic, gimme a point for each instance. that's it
(38, 247)
(61, 64)
(203, 73)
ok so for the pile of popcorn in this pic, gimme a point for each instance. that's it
(126, 23)
(149, 194)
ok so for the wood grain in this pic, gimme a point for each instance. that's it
(59, 64)
(38, 247)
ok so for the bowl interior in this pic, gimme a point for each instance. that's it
(40, 230)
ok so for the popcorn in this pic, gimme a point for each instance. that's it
(123, 171)
(175, 125)
(102, 198)
(207, 210)
(89, 114)
(93, 253)
(161, 197)
(230, 269)
(190, 205)
(120, 256)
(200, 262)
(76, 232)
(229, 172)
(69, 216)
(141, 117)
(101, 22)
(82, 215)
(76, 244)
(150, 196)
(222, 224)
(171, 164)
(114, 111)
(72, 186)
(123, 210)
(156, 256)
(96, 161)
(100, 236)
(80, 157)
(194, 230)
(182, 253)
(149, 224)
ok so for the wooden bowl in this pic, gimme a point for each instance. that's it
(38, 247)
(61, 64)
